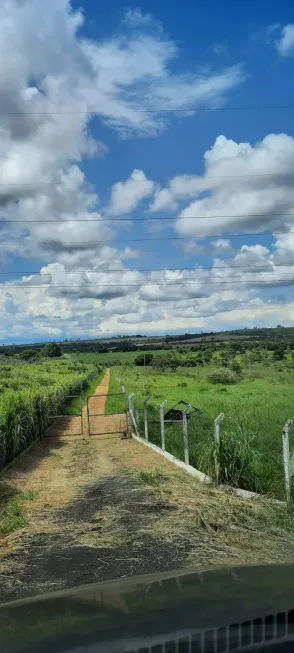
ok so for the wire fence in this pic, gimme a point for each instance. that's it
(222, 455)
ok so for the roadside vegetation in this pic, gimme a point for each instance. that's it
(30, 393)
(247, 375)
(256, 398)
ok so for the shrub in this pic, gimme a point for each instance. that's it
(192, 361)
(144, 359)
(183, 384)
(236, 367)
(224, 376)
(27, 354)
(51, 350)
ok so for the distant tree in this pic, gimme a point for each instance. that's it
(160, 362)
(278, 354)
(51, 350)
(27, 354)
(173, 363)
(189, 361)
(126, 345)
(144, 359)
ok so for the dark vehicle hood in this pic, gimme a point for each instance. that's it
(218, 610)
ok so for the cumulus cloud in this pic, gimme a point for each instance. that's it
(53, 81)
(247, 187)
(285, 42)
(126, 195)
(222, 245)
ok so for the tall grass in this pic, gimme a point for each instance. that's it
(256, 408)
(29, 395)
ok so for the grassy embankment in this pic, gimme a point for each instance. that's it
(255, 409)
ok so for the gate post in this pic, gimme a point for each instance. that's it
(146, 418)
(88, 418)
(286, 457)
(162, 424)
(217, 423)
(185, 432)
(82, 425)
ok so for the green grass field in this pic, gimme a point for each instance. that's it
(30, 393)
(255, 411)
(124, 357)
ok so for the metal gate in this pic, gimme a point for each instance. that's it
(66, 423)
(110, 423)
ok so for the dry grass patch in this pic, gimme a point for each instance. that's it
(253, 531)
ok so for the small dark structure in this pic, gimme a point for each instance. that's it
(175, 414)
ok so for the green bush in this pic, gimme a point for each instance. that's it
(27, 354)
(236, 367)
(224, 376)
(144, 359)
(51, 350)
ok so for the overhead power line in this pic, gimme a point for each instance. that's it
(166, 269)
(127, 284)
(271, 107)
(147, 218)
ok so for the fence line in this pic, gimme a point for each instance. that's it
(146, 418)
(286, 458)
(217, 437)
(185, 432)
(161, 412)
(217, 454)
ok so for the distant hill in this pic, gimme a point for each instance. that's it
(139, 342)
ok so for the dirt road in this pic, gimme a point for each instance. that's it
(76, 426)
(105, 508)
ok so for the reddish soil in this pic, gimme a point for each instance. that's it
(99, 422)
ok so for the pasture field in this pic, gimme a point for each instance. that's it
(256, 408)
(30, 393)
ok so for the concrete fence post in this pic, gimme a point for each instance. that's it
(185, 433)
(132, 411)
(146, 419)
(217, 436)
(286, 458)
(161, 408)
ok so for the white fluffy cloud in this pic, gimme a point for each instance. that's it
(126, 195)
(285, 42)
(247, 187)
(53, 80)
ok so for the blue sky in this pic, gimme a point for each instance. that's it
(86, 138)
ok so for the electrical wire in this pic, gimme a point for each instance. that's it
(177, 269)
(283, 107)
(127, 284)
(147, 218)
